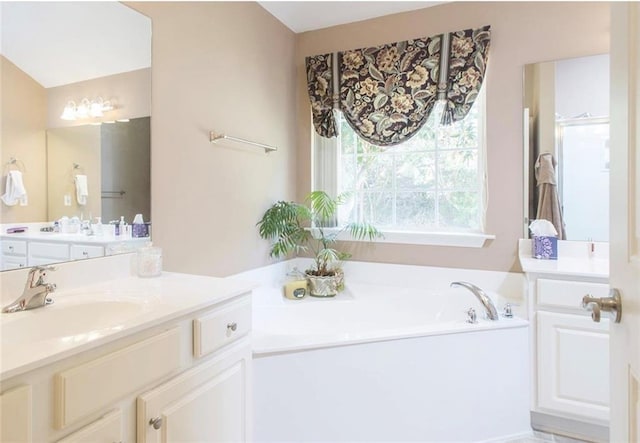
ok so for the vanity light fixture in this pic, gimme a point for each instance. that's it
(86, 109)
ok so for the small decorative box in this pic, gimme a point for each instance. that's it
(545, 248)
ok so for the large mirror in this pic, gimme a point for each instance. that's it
(75, 128)
(566, 125)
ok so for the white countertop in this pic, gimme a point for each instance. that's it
(573, 260)
(32, 235)
(138, 303)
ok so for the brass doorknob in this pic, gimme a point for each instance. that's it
(611, 304)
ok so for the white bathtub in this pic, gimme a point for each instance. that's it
(389, 363)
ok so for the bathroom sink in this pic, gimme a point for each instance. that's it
(69, 321)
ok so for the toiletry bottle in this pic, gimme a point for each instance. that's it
(121, 226)
(97, 227)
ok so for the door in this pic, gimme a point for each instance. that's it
(625, 221)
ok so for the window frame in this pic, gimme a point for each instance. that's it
(327, 180)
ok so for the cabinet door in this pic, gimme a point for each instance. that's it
(79, 252)
(207, 403)
(108, 429)
(573, 365)
(15, 415)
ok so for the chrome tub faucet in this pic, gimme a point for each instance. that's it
(36, 291)
(492, 313)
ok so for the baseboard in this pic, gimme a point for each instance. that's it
(569, 427)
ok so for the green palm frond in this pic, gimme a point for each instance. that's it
(363, 231)
(323, 206)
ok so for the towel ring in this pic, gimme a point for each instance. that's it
(15, 163)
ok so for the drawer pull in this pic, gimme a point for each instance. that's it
(156, 423)
(232, 326)
(11, 248)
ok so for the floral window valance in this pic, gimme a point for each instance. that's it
(386, 93)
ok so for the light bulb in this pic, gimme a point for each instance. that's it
(69, 112)
(95, 110)
(82, 111)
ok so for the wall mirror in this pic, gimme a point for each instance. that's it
(567, 115)
(76, 101)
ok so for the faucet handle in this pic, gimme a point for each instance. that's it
(40, 271)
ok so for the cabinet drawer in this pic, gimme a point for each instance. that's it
(11, 262)
(106, 429)
(221, 326)
(89, 387)
(58, 251)
(567, 294)
(78, 252)
(14, 247)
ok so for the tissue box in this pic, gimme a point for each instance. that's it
(545, 248)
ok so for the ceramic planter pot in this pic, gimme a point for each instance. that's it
(325, 286)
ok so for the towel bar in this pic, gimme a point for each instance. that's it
(214, 137)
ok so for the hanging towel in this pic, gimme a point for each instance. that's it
(548, 202)
(14, 191)
(82, 190)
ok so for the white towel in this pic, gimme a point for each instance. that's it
(14, 191)
(82, 190)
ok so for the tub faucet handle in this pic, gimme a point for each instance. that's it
(507, 311)
(471, 316)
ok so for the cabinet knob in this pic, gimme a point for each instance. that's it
(232, 326)
(85, 253)
(156, 423)
(11, 248)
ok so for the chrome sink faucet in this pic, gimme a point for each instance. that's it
(492, 313)
(36, 291)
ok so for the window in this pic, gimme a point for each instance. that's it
(434, 182)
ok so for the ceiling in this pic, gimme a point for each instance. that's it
(58, 43)
(302, 16)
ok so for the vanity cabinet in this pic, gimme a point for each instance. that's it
(42, 253)
(570, 356)
(14, 254)
(115, 393)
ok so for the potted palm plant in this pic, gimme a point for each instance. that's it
(311, 227)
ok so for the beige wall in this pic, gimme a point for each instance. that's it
(522, 33)
(24, 118)
(228, 67)
(129, 92)
(66, 146)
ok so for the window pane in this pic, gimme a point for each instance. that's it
(375, 207)
(416, 171)
(458, 170)
(416, 210)
(459, 210)
(375, 172)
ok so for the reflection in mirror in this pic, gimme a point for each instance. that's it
(75, 101)
(115, 159)
(567, 115)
